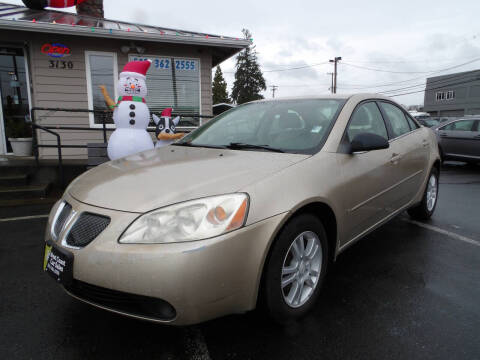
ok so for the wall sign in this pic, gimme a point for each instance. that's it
(56, 50)
(165, 63)
(60, 64)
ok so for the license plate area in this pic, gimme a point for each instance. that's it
(58, 263)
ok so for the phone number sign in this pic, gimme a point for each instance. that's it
(167, 63)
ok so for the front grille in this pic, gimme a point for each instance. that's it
(62, 217)
(87, 227)
(127, 303)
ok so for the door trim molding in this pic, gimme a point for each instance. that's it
(384, 191)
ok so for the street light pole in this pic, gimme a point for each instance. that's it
(274, 88)
(335, 61)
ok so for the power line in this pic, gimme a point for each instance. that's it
(412, 72)
(437, 88)
(444, 81)
(416, 78)
(383, 70)
(286, 69)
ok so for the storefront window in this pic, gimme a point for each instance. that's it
(101, 70)
(174, 82)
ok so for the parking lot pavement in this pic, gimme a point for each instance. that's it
(404, 292)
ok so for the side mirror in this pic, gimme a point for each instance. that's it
(368, 142)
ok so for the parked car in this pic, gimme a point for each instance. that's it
(459, 139)
(428, 122)
(251, 207)
(418, 115)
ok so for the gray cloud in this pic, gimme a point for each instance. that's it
(376, 34)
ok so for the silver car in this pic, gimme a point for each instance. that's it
(459, 139)
(250, 208)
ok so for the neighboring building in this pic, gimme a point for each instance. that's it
(54, 59)
(453, 95)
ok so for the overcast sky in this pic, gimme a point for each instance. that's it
(411, 37)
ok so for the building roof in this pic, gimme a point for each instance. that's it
(16, 17)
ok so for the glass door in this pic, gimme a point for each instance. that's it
(14, 96)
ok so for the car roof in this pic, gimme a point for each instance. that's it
(472, 117)
(357, 97)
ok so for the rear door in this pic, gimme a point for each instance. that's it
(476, 140)
(409, 155)
(460, 139)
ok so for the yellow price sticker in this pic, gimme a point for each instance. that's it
(48, 250)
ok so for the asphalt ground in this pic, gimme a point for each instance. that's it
(407, 291)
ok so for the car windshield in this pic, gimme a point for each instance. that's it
(296, 126)
(431, 122)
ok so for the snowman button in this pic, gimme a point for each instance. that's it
(132, 106)
(132, 113)
(132, 122)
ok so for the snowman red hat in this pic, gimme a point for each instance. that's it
(136, 68)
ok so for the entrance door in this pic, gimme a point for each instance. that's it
(14, 95)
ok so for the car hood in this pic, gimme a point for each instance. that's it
(172, 174)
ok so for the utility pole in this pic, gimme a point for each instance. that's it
(331, 86)
(335, 61)
(274, 88)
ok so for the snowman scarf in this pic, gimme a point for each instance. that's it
(128, 98)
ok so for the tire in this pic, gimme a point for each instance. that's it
(425, 209)
(307, 267)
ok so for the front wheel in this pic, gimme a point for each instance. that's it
(425, 209)
(296, 268)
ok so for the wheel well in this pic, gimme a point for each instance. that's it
(326, 215)
(437, 164)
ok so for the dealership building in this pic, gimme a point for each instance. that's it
(453, 95)
(53, 59)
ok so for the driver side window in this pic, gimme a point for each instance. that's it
(367, 119)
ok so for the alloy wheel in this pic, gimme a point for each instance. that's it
(431, 192)
(301, 269)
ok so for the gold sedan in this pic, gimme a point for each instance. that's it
(254, 205)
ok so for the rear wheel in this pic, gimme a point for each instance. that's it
(296, 268)
(425, 209)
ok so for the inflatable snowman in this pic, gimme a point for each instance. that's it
(130, 114)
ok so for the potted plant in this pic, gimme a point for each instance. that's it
(19, 133)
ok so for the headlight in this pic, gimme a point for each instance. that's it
(189, 221)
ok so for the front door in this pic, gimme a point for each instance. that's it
(460, 139)
(14, 95)
(367, 176)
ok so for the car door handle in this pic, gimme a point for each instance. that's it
(395, 158)
(443, 135)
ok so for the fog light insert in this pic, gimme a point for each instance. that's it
(131, 304)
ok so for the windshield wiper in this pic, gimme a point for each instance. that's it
(240, 145)
(199, 145)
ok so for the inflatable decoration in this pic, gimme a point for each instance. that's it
(130, 114)
(41, 4)
(165, 130)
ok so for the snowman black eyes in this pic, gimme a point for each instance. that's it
(172, 128)
(161, 127)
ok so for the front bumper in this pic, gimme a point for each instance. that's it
(200, 279)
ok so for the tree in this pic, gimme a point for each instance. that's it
(249, 80)
(219, 88)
